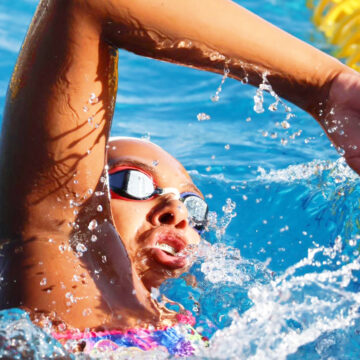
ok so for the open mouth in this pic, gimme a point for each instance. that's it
(168, 249)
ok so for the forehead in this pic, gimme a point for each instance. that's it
(165, 169)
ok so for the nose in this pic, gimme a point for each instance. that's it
(169, 211)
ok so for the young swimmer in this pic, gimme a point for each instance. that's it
(73, 255)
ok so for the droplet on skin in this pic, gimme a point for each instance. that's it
(92, 225)
(85, 109)
(104, 259)
(155, 162)
(62, 327)
(93, 238)
(43, 282)
(99, 208)
(93, 99)
(86, 312)
(81, 248)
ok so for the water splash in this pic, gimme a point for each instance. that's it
(293, 310)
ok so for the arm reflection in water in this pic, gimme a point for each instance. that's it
(68, 246)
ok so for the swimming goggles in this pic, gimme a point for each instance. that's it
(129, 183)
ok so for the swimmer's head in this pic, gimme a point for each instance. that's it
(153, 202)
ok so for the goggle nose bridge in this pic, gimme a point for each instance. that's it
(168, 190)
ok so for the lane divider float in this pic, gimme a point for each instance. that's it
(339, 20)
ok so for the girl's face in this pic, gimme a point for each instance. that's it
(156, 232)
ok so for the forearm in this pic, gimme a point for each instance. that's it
(212, 34)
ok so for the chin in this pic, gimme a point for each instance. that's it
(156, 274)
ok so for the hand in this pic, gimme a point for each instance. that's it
(341, 118)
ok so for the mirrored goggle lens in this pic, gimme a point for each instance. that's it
(132, 184)
(198, 210)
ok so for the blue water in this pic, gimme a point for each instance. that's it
(255, 294)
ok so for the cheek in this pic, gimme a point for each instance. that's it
(128, 217)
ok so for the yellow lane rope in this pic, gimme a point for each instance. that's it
(339, 20)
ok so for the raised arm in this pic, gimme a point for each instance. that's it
(212, 34)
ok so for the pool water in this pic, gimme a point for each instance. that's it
(277, 275)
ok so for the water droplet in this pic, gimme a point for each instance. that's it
(86, 312)
(104, 259)
(248, 119)
(102, 179)
(93, 99)
(203, 117)
(51, 240)
(93, 238)
(92, 225)
(62, 327)
(274, 106)
(81, 248)
(227, 147)
(99, 208)
(352, 242)
(215, 98)
(43, 282)
(155, 293)
(85, 109)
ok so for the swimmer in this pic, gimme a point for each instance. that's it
(73, 254)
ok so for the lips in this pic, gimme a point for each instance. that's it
(166, 245)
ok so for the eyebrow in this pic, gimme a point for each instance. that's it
(189, 186)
